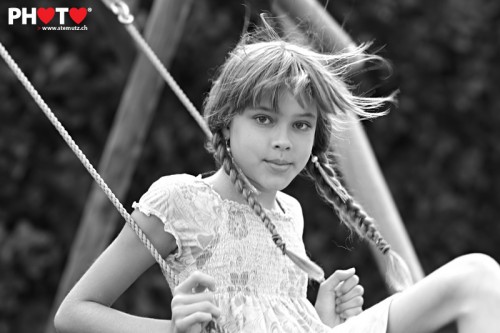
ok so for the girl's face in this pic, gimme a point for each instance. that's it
(273, 146)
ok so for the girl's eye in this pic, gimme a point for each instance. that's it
(302, 126)
(263, 120)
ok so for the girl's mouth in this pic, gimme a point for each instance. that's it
(278, 162)
(278, 165)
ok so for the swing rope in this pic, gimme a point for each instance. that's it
(86, 163)
(121, 9)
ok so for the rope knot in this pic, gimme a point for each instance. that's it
(122, 10)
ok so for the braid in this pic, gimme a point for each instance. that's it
(355, 218)
(224, 158)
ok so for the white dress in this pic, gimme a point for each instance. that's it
(258, 288)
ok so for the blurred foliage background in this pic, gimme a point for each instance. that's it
(438, 150)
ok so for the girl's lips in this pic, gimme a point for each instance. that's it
(278, 162)
(278, 165)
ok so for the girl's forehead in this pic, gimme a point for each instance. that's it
(285, 102)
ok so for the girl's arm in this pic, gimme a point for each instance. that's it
(339, 298)
(87, 306)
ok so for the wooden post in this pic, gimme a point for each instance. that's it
(124, 145)
(330, 34)
(356, 158)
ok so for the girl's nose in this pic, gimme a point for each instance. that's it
(282, 145)
(282, 141)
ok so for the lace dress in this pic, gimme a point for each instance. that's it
(258, 288)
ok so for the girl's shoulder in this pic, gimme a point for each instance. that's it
(177, 183)
(292, 210)
(169, 192)
(176, 180)
(288, 201)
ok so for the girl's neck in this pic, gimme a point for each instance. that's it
(223, 185)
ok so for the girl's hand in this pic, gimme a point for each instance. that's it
(192, 304)
(340, 297)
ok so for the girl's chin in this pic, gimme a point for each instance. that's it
(269, 186)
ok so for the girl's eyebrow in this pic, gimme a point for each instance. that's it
(266, 108)
(307, 115)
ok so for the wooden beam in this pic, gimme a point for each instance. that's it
(331, 35)
(124, 145)
(357, 161)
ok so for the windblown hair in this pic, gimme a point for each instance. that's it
(265, 65)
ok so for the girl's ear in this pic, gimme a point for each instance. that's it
(225, 132)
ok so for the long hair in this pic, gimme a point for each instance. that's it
(262, 65)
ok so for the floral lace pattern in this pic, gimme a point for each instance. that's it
(258, 288)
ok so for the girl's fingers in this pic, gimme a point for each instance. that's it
(193, 303)
(184, 299)
(337, 278)
(194, 316)
(353, 303)
(347, 285)
(188, 324)
(357, 290)
(197, 282)
(184, 311)
(351, 313)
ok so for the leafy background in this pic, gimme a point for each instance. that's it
(438, 150)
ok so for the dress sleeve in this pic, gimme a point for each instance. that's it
(160, 201)
(190, 213)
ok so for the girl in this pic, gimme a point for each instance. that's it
(233, 239)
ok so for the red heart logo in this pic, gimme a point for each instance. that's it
(78, 14)
(45, 14)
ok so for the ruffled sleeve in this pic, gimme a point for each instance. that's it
(159, 201)
(191, 214)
